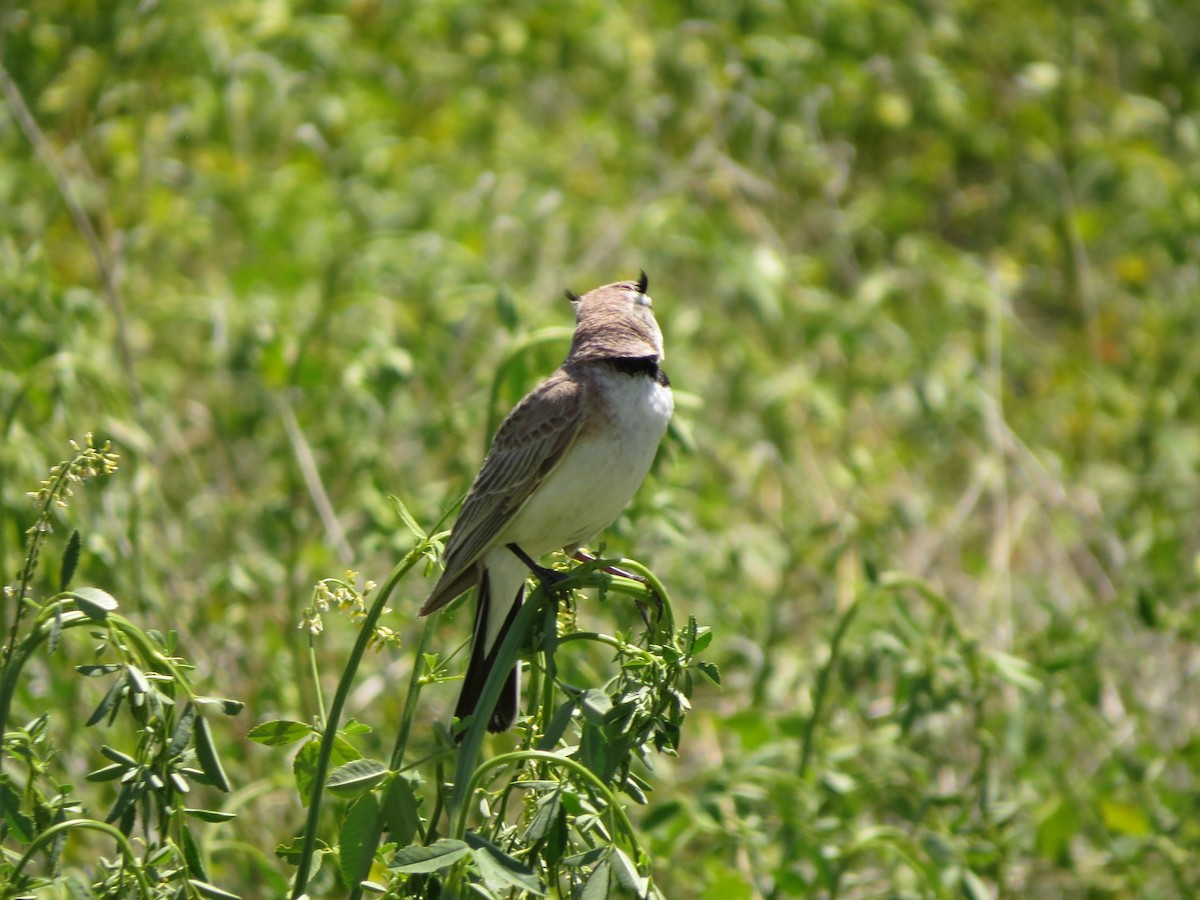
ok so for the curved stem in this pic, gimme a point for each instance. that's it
(655, 586)
(406, 718)
(314, 673)
(607, 639)
(126, 848)
(410, 699)
(585, 575)
(71, 617)
(579, 769)
(821, 691)
(329, 734)
(506, 658)
(36, 538)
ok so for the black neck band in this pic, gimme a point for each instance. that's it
(640, 365)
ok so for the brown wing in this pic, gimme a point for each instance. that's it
(528, 446)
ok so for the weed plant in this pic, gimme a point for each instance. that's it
(928, 279)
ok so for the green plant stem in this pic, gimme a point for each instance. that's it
(68, 616)
(651, 584)
(315, 673)
(41, 528)
(822, 687)
(506, 658)
(410, 698)
(586, 575)
(468, 776)
(122, 842)
(406, 719)
(620, 817)
(329, 734)
(608, 640)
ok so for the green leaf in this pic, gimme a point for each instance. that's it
(138, 683)
(710, 671)
(499, 871)
(75, 889)
(69, 561)
(304, 766)
(439, 855)
(406, 517)
(557, 725)
(358, 838)
(588, 858)
(108, 773)
(211, 890)
(228, 707)
(94, 603)
(838, 782)
(400, 806)
(597, 752)
(1016, 671)
(206, 755)
(973, 886)
(97, 670)
(548, 806)
(10, 807)
(118, 757)
(304, 769)
(356, 776)
(181, 737)
(209, 815)
(55, 630)
(558, 839)
(191, 853)
(290, 853)
(279, 732)
(110, 703)
(627, 874)
(598, 884)
(596, 705)
(1125, 818)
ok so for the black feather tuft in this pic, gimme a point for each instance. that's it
(643, 281)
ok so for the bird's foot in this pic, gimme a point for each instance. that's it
(550, 578)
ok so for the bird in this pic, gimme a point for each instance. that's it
(562, 466)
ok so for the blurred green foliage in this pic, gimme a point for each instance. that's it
(929, 284)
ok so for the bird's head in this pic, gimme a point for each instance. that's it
(616, 320)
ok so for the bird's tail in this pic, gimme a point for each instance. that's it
(484, 648)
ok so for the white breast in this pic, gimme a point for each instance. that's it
(602, 470)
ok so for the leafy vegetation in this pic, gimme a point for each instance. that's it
(928, 279)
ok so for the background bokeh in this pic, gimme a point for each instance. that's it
(928, 278)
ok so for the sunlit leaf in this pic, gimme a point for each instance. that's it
(439, 855)
(94, 603)
(70, 560)
(400, 805)
(356, 776)
(358, 837)
(279, 732)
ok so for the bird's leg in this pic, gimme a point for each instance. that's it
(550, 578)
(583, 556)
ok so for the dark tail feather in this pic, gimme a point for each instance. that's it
(481, 664)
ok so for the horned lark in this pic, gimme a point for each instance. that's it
(562, 467)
